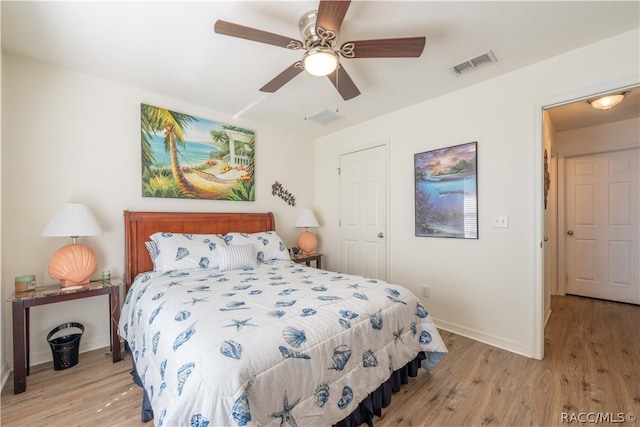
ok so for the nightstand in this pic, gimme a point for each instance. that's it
(308, 258)
(49, 294)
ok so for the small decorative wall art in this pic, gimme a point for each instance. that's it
(278, 190)
(547, 178)
(446, 203)
(189, 157)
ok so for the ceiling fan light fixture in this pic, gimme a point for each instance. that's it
(607, 102)
(320, 61)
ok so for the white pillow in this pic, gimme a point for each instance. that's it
(184, 251)
(237, 257)
(267, 244)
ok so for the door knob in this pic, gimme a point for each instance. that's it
(570, 232)
(381, 235)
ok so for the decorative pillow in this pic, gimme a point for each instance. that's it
(240, 257)
(152, 248)
(267, 244)
(171, 251)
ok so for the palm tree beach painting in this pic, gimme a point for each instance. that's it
(446, 192)
(189, 157)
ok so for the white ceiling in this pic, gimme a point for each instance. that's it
(170, 48)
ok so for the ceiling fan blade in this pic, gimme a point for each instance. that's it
(331, 14)
(408, 47)
(345, 86)
(283, 78)
(248, 33)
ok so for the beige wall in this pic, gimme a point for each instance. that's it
(69, 137)
(489, 289)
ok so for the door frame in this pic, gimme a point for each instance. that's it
(537, 149)
(379, 143)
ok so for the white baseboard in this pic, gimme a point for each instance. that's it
(43, 354)
(5, 374)
(492, 340)
(39, 357)
(547, 315)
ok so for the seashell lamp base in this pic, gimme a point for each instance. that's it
(307, 242)
(73, 265)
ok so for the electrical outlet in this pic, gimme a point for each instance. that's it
(425, 291)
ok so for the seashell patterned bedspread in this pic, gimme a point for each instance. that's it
(281, 344)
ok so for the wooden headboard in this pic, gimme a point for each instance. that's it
(138, 226)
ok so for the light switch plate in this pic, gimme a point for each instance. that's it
(500, 221)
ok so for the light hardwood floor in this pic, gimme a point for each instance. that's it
(591, 366)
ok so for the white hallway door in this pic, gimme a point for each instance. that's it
(363, 202)
(601, 236)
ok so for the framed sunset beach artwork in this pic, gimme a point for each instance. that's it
(188, 157)
(446, 192)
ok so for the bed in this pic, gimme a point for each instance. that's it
(225, 329)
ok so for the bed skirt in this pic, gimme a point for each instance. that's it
(371, 406)
(381, 397)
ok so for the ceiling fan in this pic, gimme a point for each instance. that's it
(319, 29)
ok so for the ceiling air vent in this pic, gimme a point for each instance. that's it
(471, 64)
(324, 117)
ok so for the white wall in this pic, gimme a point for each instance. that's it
(618, 135)
(489, 289)
(550, 244)
(4, 368)
(69, 137)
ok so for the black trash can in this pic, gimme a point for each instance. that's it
(65, 348)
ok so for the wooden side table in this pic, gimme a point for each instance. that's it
(308, 258)
(42, 295)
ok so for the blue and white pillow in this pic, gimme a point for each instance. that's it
(267, 244)
(240, 257)
(175, 251)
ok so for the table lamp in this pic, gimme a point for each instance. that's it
(307, 241)
(72, 264)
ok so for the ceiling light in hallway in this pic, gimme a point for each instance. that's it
(607, 102)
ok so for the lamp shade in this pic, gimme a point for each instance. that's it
(72, 220)
(307, 219)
